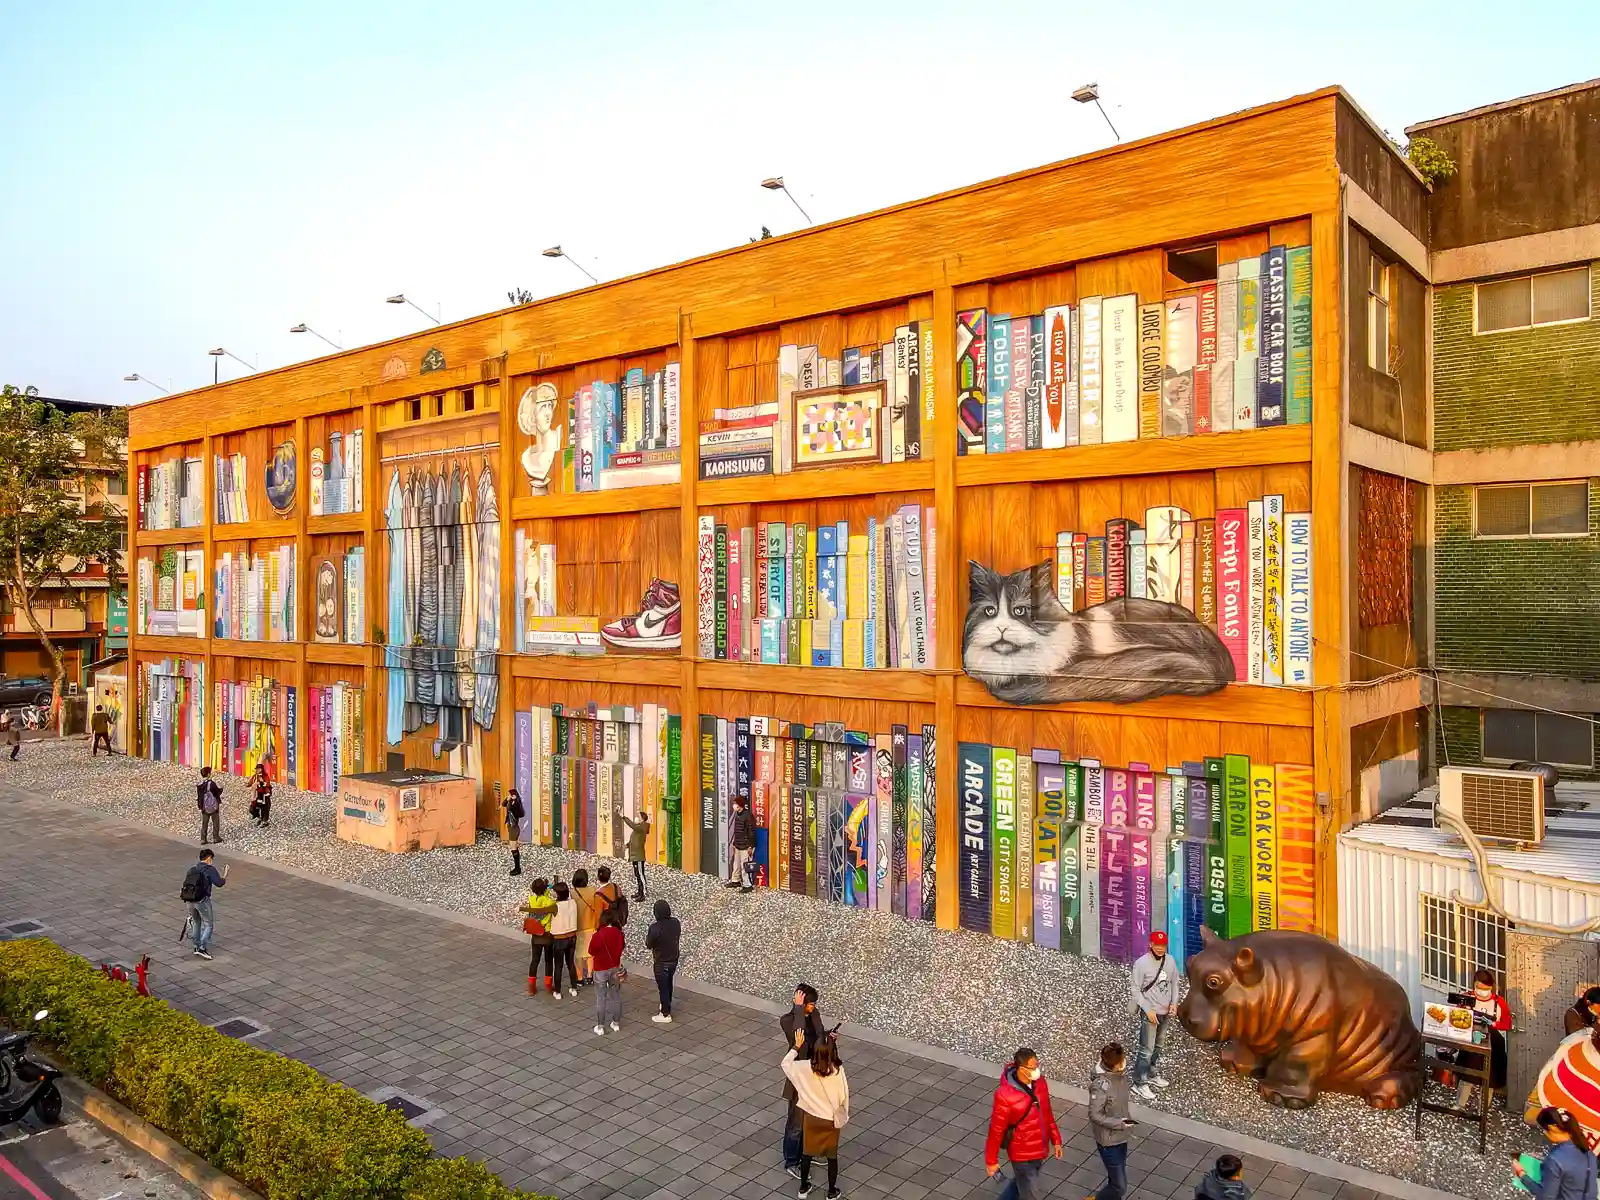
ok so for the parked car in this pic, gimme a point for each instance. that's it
(15, 691)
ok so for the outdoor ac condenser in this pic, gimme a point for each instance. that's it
(1503, 806)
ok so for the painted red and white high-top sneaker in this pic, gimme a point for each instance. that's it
(658, 625)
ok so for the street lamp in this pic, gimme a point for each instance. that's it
(216, 362)
(558, 252)
(304, 328)
(775, 184)
(1091, 92)
(138, 378)
(401, 299)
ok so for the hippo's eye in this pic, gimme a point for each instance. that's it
(1213, 983)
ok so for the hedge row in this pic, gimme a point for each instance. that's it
(272, 1123)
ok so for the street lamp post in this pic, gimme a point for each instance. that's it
(216, 363)
(1091, 92)
(401, 299)
(138, 378)
(558, 252)
(776, 184)
(304, 328)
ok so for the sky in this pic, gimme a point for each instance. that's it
(178, 177)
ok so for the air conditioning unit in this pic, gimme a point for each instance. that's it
(1502, 806)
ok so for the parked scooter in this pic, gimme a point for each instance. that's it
(26, 1082)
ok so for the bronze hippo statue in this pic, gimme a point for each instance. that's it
(1303, 1016)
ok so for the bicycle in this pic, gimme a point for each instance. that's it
(36, 716)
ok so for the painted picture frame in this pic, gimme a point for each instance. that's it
(836, 426)
(327, 597)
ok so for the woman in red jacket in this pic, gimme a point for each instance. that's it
(1022, 1122)
(1492, 1006)
(605, 949)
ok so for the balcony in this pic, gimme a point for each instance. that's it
(53, 620)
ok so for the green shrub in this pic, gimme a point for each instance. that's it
(271, 1122)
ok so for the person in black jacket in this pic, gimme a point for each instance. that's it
(208, 798)
(198, 884)
(805, 1018)
(742, 837)
(664, 941)
(514, 812)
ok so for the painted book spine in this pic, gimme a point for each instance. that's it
(1116, 573)
(1237, 844)
(930, 822)
(1182, 345)
(972, 380)
(1247, 360)
(1025, 848)
(709, 800)
(1141, 879)
(1232, 570)
(1272, 367)
(974, 869)
(1297, 848)
(1300, 329)
(1263, 848)
(1034, 437)
(1152, 336)
(1216, 883)
(1257, 592)
(1116, 909)
(1297, 633)
(1003, 786)
(707, 586)
(1049, 828)
(1205, 358)
(1058, 346)
(1016, 399)
(1090, 372)
(914, 829)
(1205, 554)
(1272, 595)
(910, 336)
(1120, 422)
(994, 417)
(883, 778)
(1222, 386)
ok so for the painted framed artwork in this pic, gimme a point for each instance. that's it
(835, 426)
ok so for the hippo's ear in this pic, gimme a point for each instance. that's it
(1245, 967)
(1207, 937)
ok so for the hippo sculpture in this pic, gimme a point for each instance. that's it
(1303, 1017)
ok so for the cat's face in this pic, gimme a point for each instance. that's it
(1007, 627)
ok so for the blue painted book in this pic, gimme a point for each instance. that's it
(999, 382)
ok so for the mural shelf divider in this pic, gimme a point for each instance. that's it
(1241, 703)
(244, 531)
(1148, 456)
(276, 651)
(350, 654)
(172, 645)
(351, 522)
(912, 687)
(431, 384)
(171, 537)
(819, 484)
(664, 670)
(616, 341)
(590, 504)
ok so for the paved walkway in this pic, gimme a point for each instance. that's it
(380, 995)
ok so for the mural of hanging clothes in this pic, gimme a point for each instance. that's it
(443, 532)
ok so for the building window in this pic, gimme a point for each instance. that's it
(1378, 315)
(116, 484)
(1457, 940)
(1548, 299)
(1523, 735)
(1521, 510)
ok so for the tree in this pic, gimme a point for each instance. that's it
(520, 296)
(765, 234)
(47, 531)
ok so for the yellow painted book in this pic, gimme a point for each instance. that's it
(854, 643)
(856, 583)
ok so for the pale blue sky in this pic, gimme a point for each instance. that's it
(179, 176)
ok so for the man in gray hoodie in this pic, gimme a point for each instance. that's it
(1154, 989)
(1108, 1114)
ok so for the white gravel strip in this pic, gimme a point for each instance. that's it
(949, 988)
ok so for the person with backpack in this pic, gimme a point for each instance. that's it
(1022, 1123)
(664, 941)
(1154, 996)
(260, 796)
(1569, 1169)
(514, 812)
(195, 893)
(803, 1017)
(563, 940)
(541, 909)
(1108, 1114)
(823, 1094)
(611, 898)
(742, 839)
(208, 798)
(606, 947)
(638, 838)
(589, 907)
(1225, 1181)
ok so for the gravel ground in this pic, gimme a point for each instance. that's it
(948, 988)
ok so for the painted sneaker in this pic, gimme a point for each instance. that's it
(658, 625)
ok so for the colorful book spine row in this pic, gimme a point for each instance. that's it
(1232, 354)
(169, 495)
(1090, 859)
(839, 815)
(171, 710)
(248, 717)
(623, 434)
(1246, 573)
(791, 594)
(337, 475)
(171, 596)
(580, 771)
(335, 735)
(232, 482)
(255, 596)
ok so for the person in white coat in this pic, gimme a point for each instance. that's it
(824, 1101)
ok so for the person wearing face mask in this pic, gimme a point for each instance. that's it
(1569, 1168)
(1022, 1124)
(1491, 1006)
(1585, 1010)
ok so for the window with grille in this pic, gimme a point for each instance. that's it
(1520, 510)
(1457, 940)
(1523, 735)
(1378, 315)
(1546, 299)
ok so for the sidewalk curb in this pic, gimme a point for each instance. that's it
(138, 1132)
(1240, 1143)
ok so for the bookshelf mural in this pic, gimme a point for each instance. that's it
(840, 815)
(825, 595)
(580, 770)
(171, 600)
(442, 521)
(621, 432)
(338, 473)
(170, 494)
(255, 595)
(1229, 354)
(1162, 604)
(336, 734)
(1091, 859)
(247, 727)
(170, 704)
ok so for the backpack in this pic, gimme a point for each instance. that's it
(189, 893)
(618, 908)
